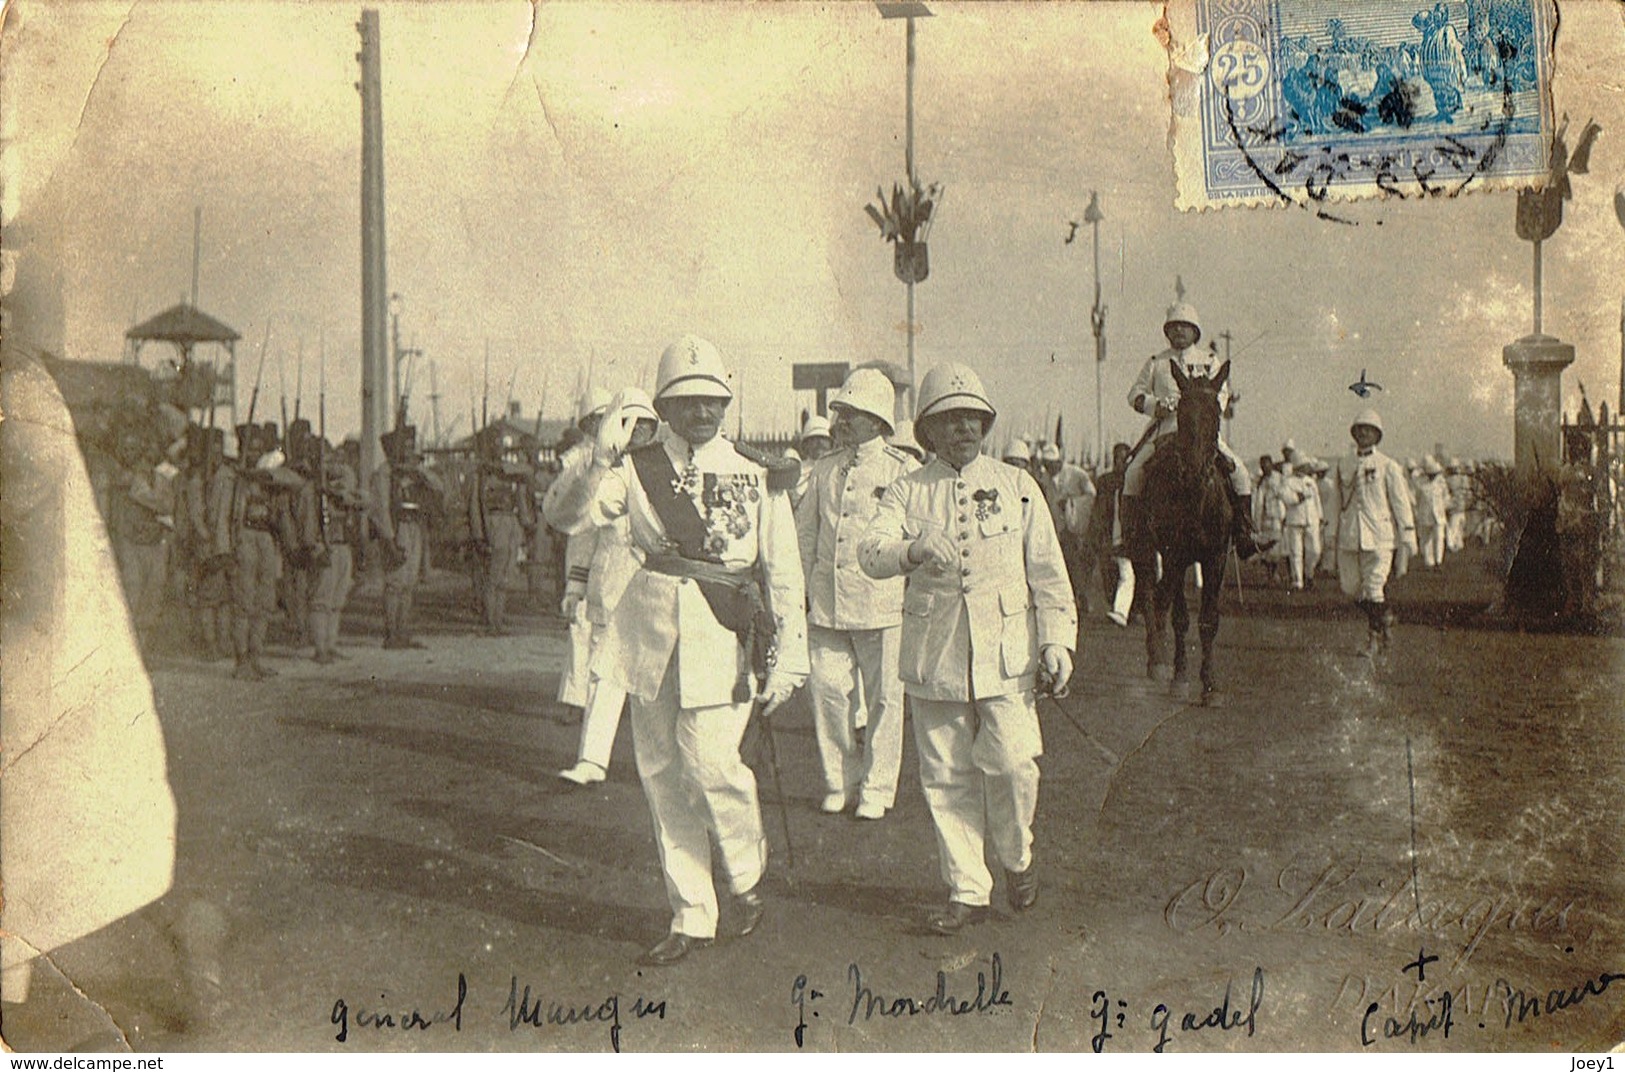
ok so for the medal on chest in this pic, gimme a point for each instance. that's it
(727, 500)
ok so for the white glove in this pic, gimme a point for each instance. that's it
(614, 433)
(572, 600)
(1166, 408)
(1057, 667)
(934, 549)
(778, 688)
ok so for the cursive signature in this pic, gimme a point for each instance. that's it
(990, 993)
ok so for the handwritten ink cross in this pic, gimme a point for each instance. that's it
(1420, 964)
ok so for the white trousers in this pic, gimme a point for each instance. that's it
(1123, 601)
(576, 682)
(979, 772)
(1297, 540)
(602, 716)
(1455, 530)
(699, 791)
(854, 683)
(1431, 539)
(1364, 574)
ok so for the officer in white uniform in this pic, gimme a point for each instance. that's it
(614, 561)
(988, 617)
(854, 621)
(719, 542)
(1373, 519)
(1156, 394)
(575, 682)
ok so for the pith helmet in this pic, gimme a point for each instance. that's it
(592, 404)
(1049, 453)
(1431, 466)
(1017, 451)
(692, 368)
(952, 386)
(1184, 313)
(815, 427)
(868, 391)
(636, 404)
(1370, 418)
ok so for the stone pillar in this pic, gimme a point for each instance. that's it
(1537, 363)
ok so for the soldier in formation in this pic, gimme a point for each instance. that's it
(711, 625)
(853, 620)
(501, 519)
(329, 514)
(988, 624)
(252, 520)
(404, 499)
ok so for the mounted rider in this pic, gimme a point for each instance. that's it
(1156, 394)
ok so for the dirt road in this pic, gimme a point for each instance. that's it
(1247, 876)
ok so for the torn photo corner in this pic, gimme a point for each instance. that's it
(1306, 104)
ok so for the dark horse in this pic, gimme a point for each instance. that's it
(1186, 513)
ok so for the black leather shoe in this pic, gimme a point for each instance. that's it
(1023, 888)
(672, 948)
(748, 908)
(956, 917)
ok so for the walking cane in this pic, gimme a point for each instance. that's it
(1241, 600)
(770, 744)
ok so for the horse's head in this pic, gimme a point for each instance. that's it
(1198, 414)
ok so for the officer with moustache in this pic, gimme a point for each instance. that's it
(712, 624)
(988, 621)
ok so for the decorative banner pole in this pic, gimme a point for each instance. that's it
(1097, 322)
(1537, 360)
(908, 210)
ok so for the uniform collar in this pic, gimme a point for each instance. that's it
(869, 448)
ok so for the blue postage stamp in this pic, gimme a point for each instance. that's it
(1314, 101)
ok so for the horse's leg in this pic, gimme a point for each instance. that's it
(1175, 580)
(1147, 595)
(1208, 623)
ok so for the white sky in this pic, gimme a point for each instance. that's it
(584, 189)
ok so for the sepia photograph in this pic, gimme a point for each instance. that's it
(880, 526)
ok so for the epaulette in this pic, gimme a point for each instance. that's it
(898, 453)
(783, 474)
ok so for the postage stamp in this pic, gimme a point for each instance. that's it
(1313, 101)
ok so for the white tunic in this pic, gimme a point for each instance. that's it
(843, 494)
(974, 631)
(660, 616)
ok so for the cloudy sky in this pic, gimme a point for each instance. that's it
(575, 183)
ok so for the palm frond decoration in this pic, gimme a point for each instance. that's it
(906, 215)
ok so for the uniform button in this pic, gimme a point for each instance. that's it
(963, 502)
(965, 572)
(966, 552)
(963, 519)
